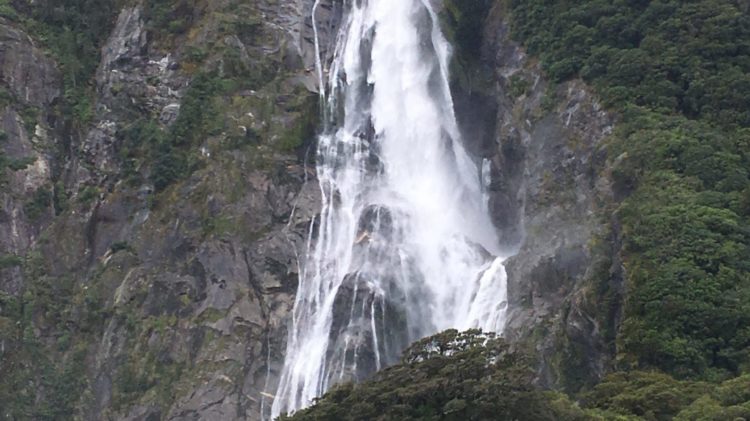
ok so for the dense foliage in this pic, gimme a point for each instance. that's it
(686, 235)
(678, 73)
(691, 57)
(656, 396)
(471, 376)
(42, 381)
(450, 376)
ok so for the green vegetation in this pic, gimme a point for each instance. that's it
(20, 164)
(677, 74)
(462, 22)
(60, 198)
(170, 15)
(30, 117)
(519, 85)
(478, 381)
(460, 376)
(38, 382)
(7, 11)
(687, 239)
(207, 117)
(120, 246)
(9, 163)
(656, 396)
(88, 194)
(673, 56)
(172, 153)
(39, 203)
(74, 32)
(48, 332)
(198, 117)
(305, 125)
(144, 372)
(9, 261)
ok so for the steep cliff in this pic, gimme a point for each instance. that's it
(550, 194)
(149, 247)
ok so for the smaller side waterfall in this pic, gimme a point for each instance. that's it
(404, 246)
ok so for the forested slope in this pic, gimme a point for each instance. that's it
(678, 74)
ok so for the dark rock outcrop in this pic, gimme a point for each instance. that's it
(550, 183)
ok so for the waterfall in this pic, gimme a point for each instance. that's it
(404, 246)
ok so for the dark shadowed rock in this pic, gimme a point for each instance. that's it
(548, 184)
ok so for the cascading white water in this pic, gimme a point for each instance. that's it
(404, 246)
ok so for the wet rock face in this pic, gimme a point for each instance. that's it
(217, 260)
(376, 220)
(360, 315)
(476, 114)
(377, 310)
(549, 183)
(220, 256)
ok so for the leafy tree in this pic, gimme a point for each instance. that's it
(449, 376)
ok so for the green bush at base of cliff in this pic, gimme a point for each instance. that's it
(478, 382)
(486, 380)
